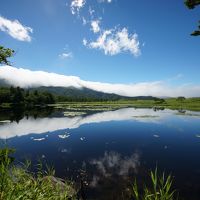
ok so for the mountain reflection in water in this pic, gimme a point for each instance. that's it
(41, 125)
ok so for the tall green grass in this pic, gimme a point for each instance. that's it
(160, 188)
(17, 183)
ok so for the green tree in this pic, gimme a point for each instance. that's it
(36, 93)
(180, 99)
(191, 4)
(5, 53)
(17, 95)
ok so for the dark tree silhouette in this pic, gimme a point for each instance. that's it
(191, 4)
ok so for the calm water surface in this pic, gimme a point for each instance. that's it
(108, 150)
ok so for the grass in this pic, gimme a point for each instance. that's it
(17, 183)
(192, 104)
(160, 188)
(90, 106)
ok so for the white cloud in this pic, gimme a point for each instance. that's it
(95, 26)
(36, 78)
(15, 29)
(91, 11)
(76, 5)
(30, 78)
(113, 42)
(107, 1)
(84, 42)
(84, 21)
(66, 55)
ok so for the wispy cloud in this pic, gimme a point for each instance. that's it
(66, 55)
(15, 29)
(84, 42)
(115, 41)
(84, 21)
(40, 78)
(177, 77)
(111, 41)
(76, 5)
(91, 11)
(95, 26)
(107, 1)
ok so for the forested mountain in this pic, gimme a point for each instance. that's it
(72, 93)
(11, 94)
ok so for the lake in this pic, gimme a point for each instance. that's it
(108, 150)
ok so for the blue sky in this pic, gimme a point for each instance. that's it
(155, 42)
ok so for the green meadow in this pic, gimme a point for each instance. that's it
(192, 104)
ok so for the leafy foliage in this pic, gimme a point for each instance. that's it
(191, 4)
(5, 53)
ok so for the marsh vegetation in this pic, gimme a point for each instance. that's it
(18, 182)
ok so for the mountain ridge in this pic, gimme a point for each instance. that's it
(73, 93)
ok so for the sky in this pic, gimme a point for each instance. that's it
(129, 47)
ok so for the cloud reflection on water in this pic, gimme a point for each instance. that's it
(43, 125)
(113, 164)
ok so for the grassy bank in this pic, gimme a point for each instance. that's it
(17, 183)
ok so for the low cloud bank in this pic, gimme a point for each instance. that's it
(26, 78)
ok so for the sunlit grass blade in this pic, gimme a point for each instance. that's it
(161, 188)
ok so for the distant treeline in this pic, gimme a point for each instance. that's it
(49, 95)
(17, 95)
(32, 97)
